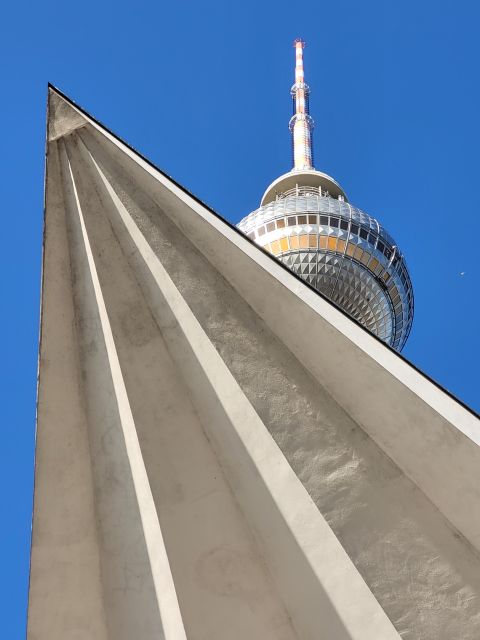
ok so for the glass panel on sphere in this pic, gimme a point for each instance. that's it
(312, 219)
(312, 241)
(303, 242)
(281, 223)
(294, 242)
(323, 242)
(275, 247)
(365, 258)
(344, 225)
(271, 226)
(302, 219)
(332, 243)
(358, 254)
(292, 221)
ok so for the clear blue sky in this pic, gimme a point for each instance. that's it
(202, 89)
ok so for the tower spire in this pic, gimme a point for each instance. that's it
(301, 124)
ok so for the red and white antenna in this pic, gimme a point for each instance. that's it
(301, 124)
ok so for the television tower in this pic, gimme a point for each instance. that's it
(306, 221)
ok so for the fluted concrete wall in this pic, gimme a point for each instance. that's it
(204, 468)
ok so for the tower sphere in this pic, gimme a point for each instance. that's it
(307, 222)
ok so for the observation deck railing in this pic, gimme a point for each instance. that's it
(305, 191)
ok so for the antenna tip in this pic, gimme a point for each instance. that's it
(299, 42)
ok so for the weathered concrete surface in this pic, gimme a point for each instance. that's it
(65, 582)
(426, 578)
(193, 441)
(63, 118)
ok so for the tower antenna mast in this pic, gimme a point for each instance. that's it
(301, 124)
